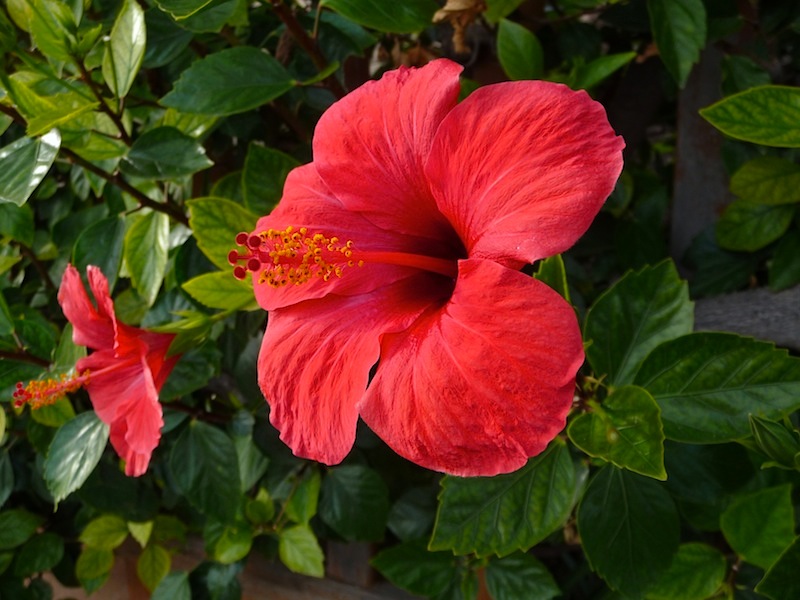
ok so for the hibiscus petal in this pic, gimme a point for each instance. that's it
(91, 326)
(316, 356)
(522, 168)
(370, 147)
(307, 202)
(125, 397)
(483, 384)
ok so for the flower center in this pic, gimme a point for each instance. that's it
(48, 391)
(295, 256)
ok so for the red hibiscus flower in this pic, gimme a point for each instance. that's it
(122, 376)
(401, 246)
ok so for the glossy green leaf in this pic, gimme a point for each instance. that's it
(105, 532)
(16, 222)
(697, 571)
(302, 504)
(265, 171)
(636, 314)
(625, 430)
(203, 463)
(552, 271)
(679, 30)
(747, 226)
(180, 9)
(520, 577)
(409, 16)
(412, 514)
(53, 29)
(174, 586)
(630, 529)
(222, 290)
(767, 180)
(165, 39)
(781, 581)
(101, 245)
(75, 451)
(299, 550)
(760, 525)
(16, 527)
(146, 246)
(252, 463)
(124, 50)
(215, 223)
(497, 9)
(153, 565)
(519, 51)
(412, 567)
(164, 153)
(23, 165)
(784, 270)
(355, 503)
(229, 81)
(502, 514)
(768, 115)
(228, 543)
(708, 383)
(39, 554)
(779, 442)
(93, 563)
(590, 74)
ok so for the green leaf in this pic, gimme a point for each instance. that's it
(409, 16)
(784, 270)
(124, 50)
(6, 470)
(355, 503)
(105, 532)
(228, 544)
(174, 586)
(589, 75)
(300, 552)
(776, 440)
(639, 312)
(760, 525)
(23, 165)
(747, 226)
(708, 383)
(768, 115)
(229, 81)
(54, 415)
(497, 9)
(141, 531)
(16, 527)
(146, 247)
(412, 567)
(412, 514)
(301, 506)
(39, 554)
(16, 222)
(502, 514)
(203, 462)
(215, 223)
(552, 271)
(519, 51)
(101, 244)
(252, 463)
(261, 509)
(624, 430)
(520, 577)
(679, 30)
(75, 451)
(180, 9)
(93, 563)
(164, 153)
(697, 571)
(222, 290)
(153, 565)
(630, 529)
(53, 29)
(781, 581)
(767, 180)
(265, 171)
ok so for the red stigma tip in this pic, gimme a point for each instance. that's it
(239, 272)
(254, 242)
(233, 257)
(241, 238)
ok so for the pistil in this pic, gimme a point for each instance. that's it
(48, 391)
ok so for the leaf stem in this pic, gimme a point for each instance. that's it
(117, 119)
(301, 36)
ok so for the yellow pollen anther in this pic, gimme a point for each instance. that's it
(48, 391)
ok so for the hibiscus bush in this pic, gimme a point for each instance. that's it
(279, 277)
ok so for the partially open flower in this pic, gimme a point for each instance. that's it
(401, 244)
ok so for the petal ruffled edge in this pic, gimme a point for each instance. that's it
(478, 387)
(522, 168)
(371, 146)
(91, 326)
(316, 357)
